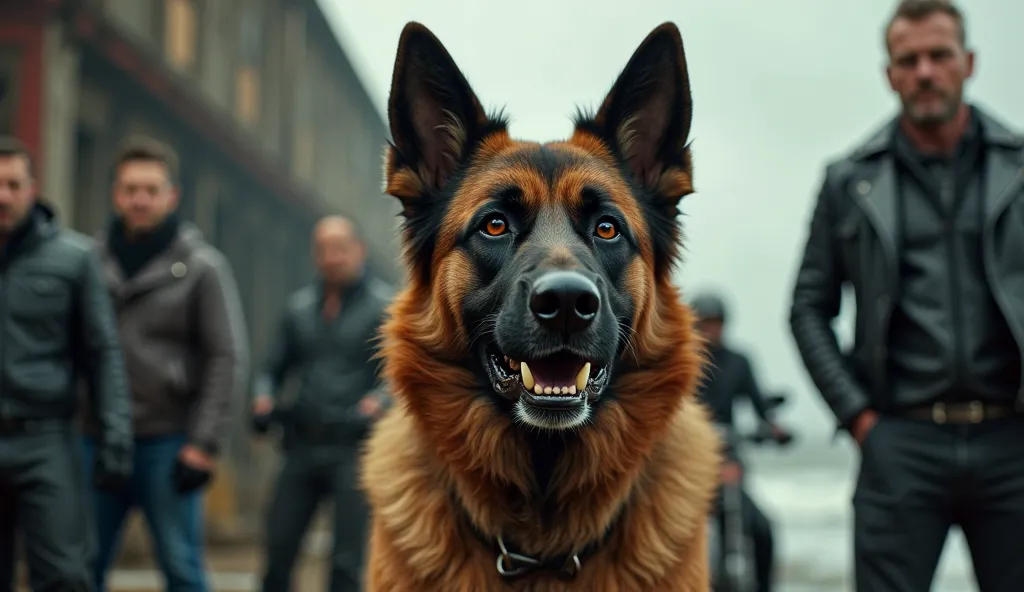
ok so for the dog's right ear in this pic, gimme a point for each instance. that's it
(436, 119)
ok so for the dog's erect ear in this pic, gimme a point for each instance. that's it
(435, 117)
(645, 118)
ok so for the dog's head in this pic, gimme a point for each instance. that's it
(539, 273)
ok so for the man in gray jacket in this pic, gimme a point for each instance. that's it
(186, 353)
(56, 324)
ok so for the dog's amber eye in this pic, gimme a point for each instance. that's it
(496, 226)
(606, 229)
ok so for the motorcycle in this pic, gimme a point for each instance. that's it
(730, 545)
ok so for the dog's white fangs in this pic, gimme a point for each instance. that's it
(526, 376)
(583, 377)
(530, 383)
(552, 393)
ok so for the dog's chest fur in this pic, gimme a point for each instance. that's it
(422, 543)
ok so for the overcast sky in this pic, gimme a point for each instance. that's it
(779, 88)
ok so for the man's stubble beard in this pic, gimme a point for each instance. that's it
(933, 120)
(7, 229)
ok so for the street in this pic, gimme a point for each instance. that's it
(806, 490)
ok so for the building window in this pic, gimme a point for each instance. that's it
(180, 24)
(247, 94)
(139, 18)
(247, 74)
(303, 153)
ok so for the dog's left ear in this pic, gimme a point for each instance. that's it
(436, 119)
(645, 118)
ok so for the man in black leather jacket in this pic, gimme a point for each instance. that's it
(926, 222)
(327, 337)
(56, 325)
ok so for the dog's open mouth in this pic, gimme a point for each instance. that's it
(558, 381)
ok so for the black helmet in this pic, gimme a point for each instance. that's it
(709, 306)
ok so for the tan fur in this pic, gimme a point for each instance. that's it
(443, 452)
(644, 470)
(417, 542)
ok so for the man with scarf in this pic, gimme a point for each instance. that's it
(327, 336)
(185, 347)
(57, 325)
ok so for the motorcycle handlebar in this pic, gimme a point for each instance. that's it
(760, 436)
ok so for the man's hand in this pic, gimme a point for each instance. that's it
(371, 406)
(262, 407)
(731, 473)
(193, 469)
(195, 458)
(113, 468)
(781, 435)
(862, 425)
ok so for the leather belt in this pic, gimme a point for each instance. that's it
(967, 412)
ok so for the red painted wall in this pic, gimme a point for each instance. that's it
(26, 33)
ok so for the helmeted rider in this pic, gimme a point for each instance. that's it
(730, 376)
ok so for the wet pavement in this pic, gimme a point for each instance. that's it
(235, 568)
(806, 491)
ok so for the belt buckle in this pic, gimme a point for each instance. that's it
(939, 413)
(975, 412)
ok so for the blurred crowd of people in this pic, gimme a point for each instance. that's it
(121, 359)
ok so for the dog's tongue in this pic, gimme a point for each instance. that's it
(556, 371)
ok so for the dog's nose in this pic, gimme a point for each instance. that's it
(564, 301)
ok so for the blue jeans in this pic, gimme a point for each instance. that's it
(175, 520)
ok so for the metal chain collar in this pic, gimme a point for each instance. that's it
(512, 565)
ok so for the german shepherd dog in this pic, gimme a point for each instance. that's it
(546, 435)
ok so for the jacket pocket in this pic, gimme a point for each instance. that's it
(38, 296)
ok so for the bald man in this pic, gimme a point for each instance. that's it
(326, 338)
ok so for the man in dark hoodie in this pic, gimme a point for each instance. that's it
(57, 325)
(185, 346)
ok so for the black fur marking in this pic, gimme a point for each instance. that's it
(545, 451)
(549, 163)
(665, 231)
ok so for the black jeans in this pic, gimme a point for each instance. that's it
(310, 474)
(42, 494)
(918, 478)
